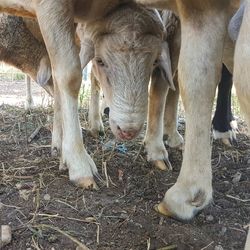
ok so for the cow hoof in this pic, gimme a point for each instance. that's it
(163, 165)
(226, 137)
(226, 142)
(183, 201)
(162, 209)
(175, 140)
(86, 183)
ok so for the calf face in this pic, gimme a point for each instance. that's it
(126, 47)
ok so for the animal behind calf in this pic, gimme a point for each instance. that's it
(20, 48)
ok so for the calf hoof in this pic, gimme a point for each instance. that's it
(96, 132)
(163, 165)
(86, 183)
(175, 140)
(184, 202)
(158, 155)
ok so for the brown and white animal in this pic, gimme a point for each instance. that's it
(24, 50)
(142, 53)
(203, 30)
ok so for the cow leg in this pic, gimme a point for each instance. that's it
(29, 100)
(174, 139)
(242, 65)
(156, 151)
(95, 119)
(199, 70)
(223, 114)
(58, 33)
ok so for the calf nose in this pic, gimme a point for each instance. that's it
(127, 134)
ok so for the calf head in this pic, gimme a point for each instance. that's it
(126, 47)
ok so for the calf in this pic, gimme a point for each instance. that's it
(135, 57)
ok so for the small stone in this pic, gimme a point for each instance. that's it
(223, 230)
(6, 235)
(52, 238)
(19, 186)
(46, 197)
(24, 194)
(209, 218)
(236, 177)
(218, 247)
(248, 161)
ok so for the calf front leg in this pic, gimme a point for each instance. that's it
(174, 139)
(58, 33)
(199, 68)
(156, 151)
(95, 119)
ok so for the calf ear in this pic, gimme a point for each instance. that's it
(87, 52)
(44, 71)
(165, 66)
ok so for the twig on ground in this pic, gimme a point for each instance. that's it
(170, 247)
(237, 199)
(212, 242)
(35, 244)
(106, 173)
(57, 216)
(80, 244)
(34, 133)
(98, 234)
(65, 203)
(37, 204)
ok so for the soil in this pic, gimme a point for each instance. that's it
(46, 211)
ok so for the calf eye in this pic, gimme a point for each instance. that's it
(99, 62)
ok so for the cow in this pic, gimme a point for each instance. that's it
(203, 31)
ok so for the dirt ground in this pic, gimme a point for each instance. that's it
(46, 211)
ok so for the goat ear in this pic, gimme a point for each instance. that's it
(165, 66)
(44, 71)
(87, 52)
